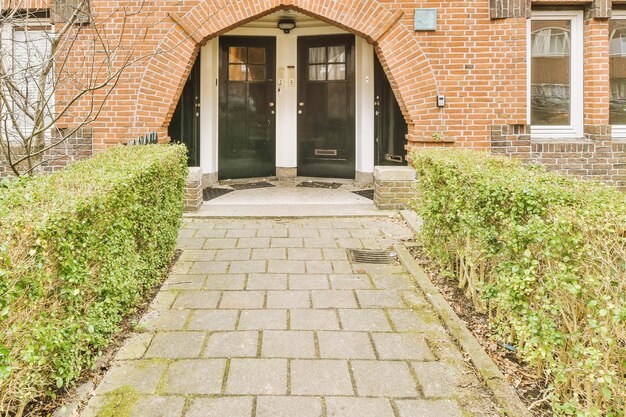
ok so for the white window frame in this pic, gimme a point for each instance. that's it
(618, 131)
(575, 129)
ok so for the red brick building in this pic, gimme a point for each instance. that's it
(342, 86)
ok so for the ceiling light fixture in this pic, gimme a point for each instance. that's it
(286, 25)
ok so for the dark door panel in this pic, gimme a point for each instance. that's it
(390, 127)
(326, 106)
(185, 124)
(247, 114)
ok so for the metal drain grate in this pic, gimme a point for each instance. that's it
(319, 184)
(365, 256)
(365, 193)
(251, 185)
(212, 193)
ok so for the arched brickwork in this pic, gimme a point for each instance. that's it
(406, 65)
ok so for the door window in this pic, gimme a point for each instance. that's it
(246, 64)
(327, 63)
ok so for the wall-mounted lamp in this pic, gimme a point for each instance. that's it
(286, 25)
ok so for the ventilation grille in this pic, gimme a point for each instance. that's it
(364, 256)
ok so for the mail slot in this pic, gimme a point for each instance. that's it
(394, 158)
(326, 152)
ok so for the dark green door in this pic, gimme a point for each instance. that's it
(390, 128)
(185, 124)
(326, 102)
(247, 113)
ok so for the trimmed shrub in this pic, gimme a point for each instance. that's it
(545, 256)
(78, 250)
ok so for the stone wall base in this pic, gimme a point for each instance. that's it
(194, 190)
(393, 187)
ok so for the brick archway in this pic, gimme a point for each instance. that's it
(405, 64)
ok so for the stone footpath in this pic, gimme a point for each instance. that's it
(269, 318)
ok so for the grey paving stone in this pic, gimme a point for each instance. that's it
(414, 321)
(232, 344)
(379, 299)
(333, 299)
(267, 282)
(392, 282)
(220, 407)
(211, 233)
(335, 254)
(254, 242)
(308, 282)
(314, 320)
(288, 407)
(220, 243)
(242, 299)
(350, 243)
(134, 347)
(184, 281)
(195, 376)
(248, 267)
(349, 281)
(181, 267)
(197, 255)
(319, 267)
(186, 233)
(197, 299)
(364, 320)
(320, 377)
(402, 346)
(241, 233)
(145, 406)
(345, 345)
(213, 320)
(319, 242)
(288, 299)
(189, 243)
(428, 408)
(384, 379)
(164, 299)
(285, 266)
(361, 407)
(233, 254)
(213, 267)
(436, 379)
(269, 253)
(176, 345)
(301, 232)
(257, 376)
(272, 233)
(225, 282)
(286, 242)
(161, 320)
(304, 254)
(263, 320)
(288, 344)
(342, 267)
(335, 233)
(143, 376)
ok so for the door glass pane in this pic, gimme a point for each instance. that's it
(617, 72)
(337, 54)
(256, 55)
(317, 55)
(237, 72)
(317, 72)
(236, 54)
(336, 72)
(256, 72)
(550, 73)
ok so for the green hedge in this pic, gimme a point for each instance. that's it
(545, 255)
(78, 250)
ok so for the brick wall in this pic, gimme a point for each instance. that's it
(476, 58)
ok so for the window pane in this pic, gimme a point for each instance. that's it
(550, 73)
(256, 55)
(337, 54)
(237, 72)
(317, 55)
(237, 54)
(257, 72)
(617, 72)
(336, 72)
(317, 72)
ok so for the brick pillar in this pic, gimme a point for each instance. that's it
(393, 187)
(194, 190)
(504, 9)
(596, 72)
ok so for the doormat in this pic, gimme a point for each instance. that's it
(251, 185)
(319, 184)
(212, 193)
(365, 193)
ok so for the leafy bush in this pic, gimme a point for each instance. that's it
(545, 255)
(78, 249)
